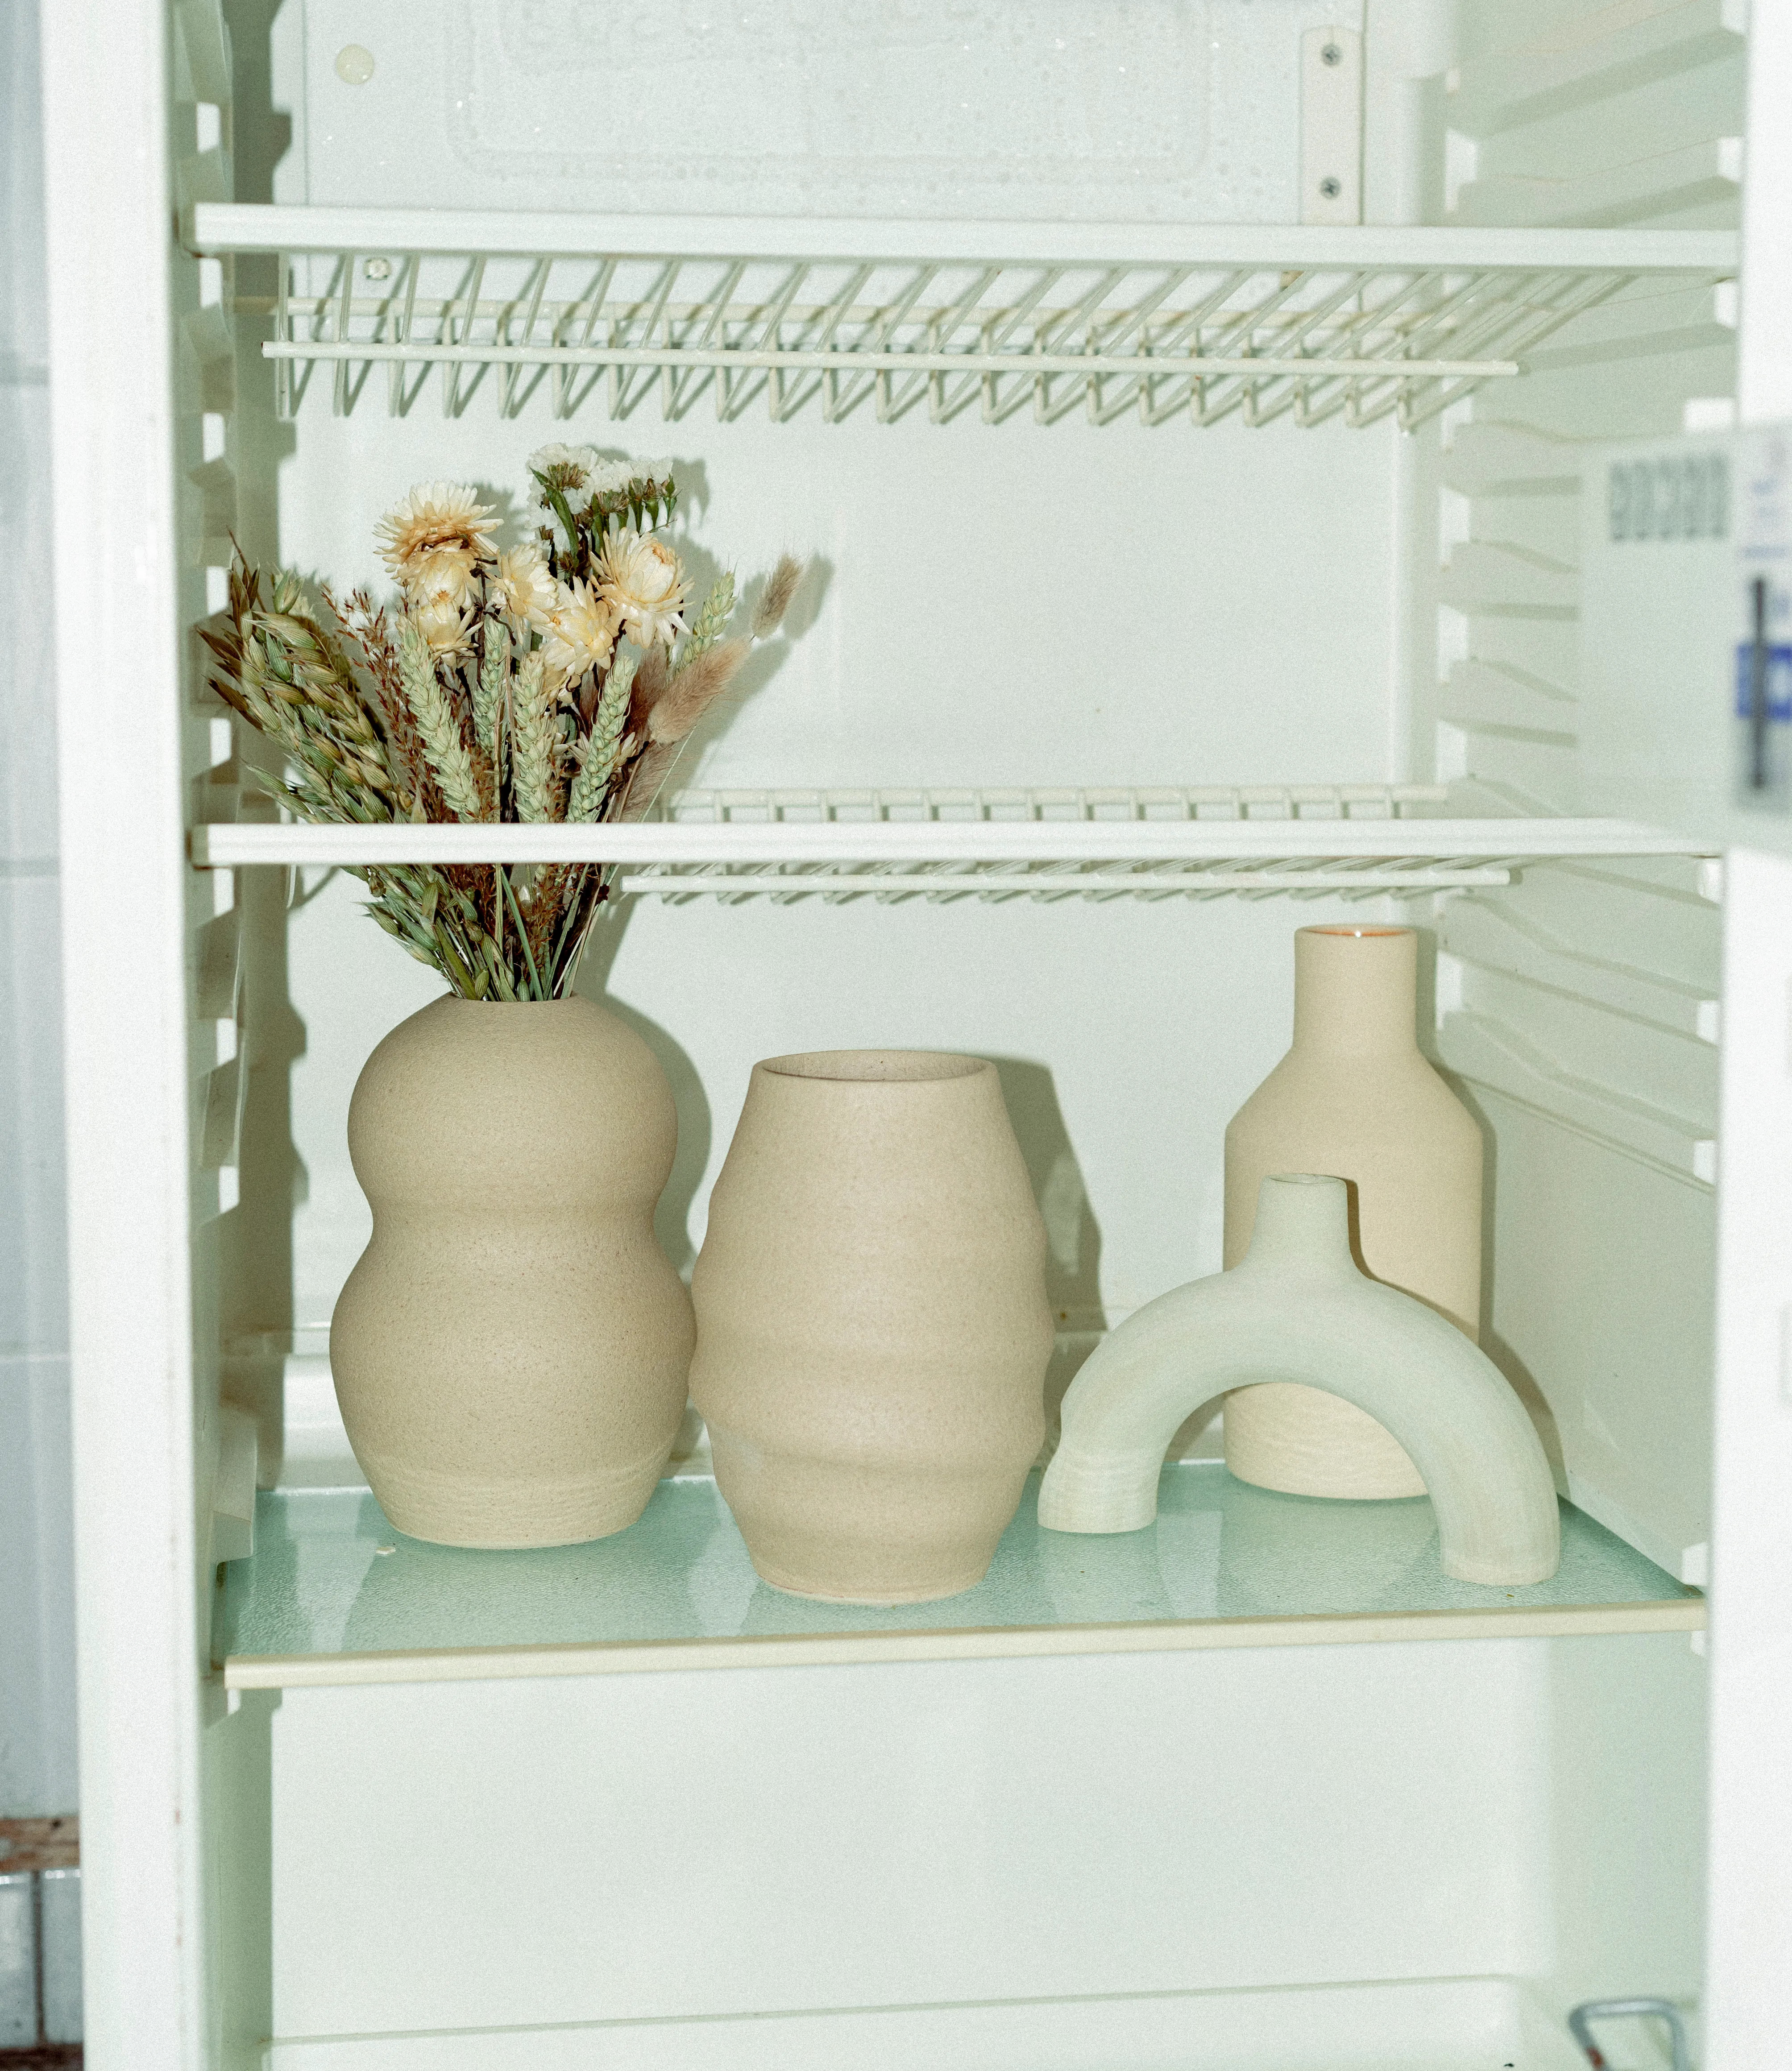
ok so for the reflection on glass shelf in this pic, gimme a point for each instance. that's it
(334, 1594)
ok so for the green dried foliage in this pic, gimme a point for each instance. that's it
(711, 621)
(438, 722)
(602, 749)
(535, 743)
(494, 679)
(572, 543)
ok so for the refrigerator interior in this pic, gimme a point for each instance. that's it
(1402, 1853)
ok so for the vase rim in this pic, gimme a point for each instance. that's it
(1361, 934)
(876, 1068)
(461, 999)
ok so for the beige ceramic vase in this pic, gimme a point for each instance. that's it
(510, 1351)
(872, 1327)
(1353, 1100)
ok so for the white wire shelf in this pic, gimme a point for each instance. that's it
(1196, 325)
(944, 846)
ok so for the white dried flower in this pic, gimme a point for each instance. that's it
(446, 626)
(434, 515)
(522, 588)
(606, 476)
(564, 468)
(645, 583)
(442, 576)
(581, 633)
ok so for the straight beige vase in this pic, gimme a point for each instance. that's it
(510, 1352)
(1353, 1100)
(872, 1327)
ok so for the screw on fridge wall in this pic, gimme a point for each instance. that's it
(1330, 189)
(1331, 54)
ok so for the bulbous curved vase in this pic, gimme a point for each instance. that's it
(1297, 1310)
(510, 1351)
(872, 1326)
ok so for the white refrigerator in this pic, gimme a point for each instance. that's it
(1264, 462)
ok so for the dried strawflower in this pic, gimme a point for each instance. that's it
(645, 583)
(581, 633)
(522, 588)
(436, 514)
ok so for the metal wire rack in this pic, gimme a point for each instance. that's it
(1200, 327)
(1334, 841)
(1211, 814)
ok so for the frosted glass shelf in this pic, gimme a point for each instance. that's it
(1193, 324)
(947, 845)
(333, 1595)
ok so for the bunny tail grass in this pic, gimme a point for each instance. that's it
(694, 690)
(774, 600)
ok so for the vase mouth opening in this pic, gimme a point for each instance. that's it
(461, 999)
(1359, 934)
(875, 1067)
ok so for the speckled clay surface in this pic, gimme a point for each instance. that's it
(510, 1351)
(1353, 1100)
(873, 1331)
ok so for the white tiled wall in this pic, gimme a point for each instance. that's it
(37, 1675)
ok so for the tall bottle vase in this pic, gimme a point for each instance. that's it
(511, 1351)
(1355, 1100)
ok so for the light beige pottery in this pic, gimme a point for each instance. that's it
(510, 1351)
(872, 1327)
(1354, 1099)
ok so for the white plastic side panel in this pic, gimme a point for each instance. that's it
(37, 1612)
(1749, 2020)
(124, 884)
(500, 1854)
(502, 1858)
(1764, 385)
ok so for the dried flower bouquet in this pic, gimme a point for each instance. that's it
(557, 679)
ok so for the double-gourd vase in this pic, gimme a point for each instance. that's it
(510, 1352)
(872, 1325)
(1355, 1100)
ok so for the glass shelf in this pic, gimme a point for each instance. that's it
(1194, 324)
(333, 1595)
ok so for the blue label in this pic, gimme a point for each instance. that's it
(1779, 681)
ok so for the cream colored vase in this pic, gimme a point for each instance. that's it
(873, 1327)
(510, 1351)
(1355, 1099)
(1297, 1305)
